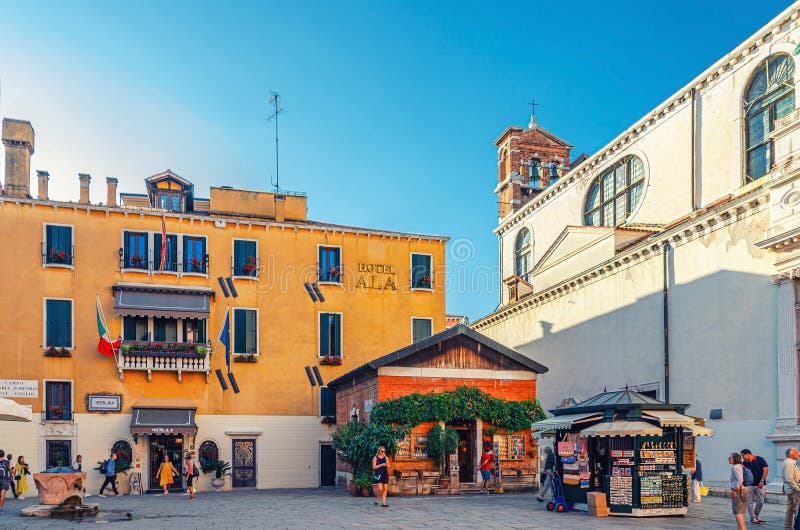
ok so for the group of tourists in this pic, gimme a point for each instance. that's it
(12, 476)
(748, 481)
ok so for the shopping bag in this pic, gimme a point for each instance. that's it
(566, 448)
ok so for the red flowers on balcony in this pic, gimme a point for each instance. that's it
(52, 351)
(58, 256)
(196, 265)
(332, 360)
(250, 264)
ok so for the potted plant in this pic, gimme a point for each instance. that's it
(51, 351)
(221, 470)
(363, 483)
(197, 265)
(137, 261)
(441, 444)
(249, 265)
(201, 351)
(125, 349)
(328, 420)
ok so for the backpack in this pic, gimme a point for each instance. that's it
(4, 470)
(195, 471)
(748, 476)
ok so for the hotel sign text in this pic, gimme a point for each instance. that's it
(377, 276)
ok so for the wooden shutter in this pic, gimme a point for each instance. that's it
(327, 402)
(239, 331)
(324, 334)
(252, 331)
(336, 339)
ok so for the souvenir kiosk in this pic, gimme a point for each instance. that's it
(627, 445)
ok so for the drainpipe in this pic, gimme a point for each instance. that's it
(664, 251)
(694, 149)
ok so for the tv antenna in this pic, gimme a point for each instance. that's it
(275, 101)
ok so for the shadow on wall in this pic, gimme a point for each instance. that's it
(722, 339)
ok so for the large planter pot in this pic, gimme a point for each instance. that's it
(352, 488)
(444, 483)
(218, 483)
(123, 484)
(365, 492)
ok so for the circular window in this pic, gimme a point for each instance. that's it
(124, 455)
(615, 194)
(209, 454)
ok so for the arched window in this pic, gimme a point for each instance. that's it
(553, 172)
(769, 96)
(124, 455)
(614, 195)
(209, 454)
(522, 254)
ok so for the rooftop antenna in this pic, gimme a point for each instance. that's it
(275, 100)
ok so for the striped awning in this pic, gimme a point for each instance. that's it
(161, 301)
(622, 428)
(562, 422)
(669, 418)
(697, 430)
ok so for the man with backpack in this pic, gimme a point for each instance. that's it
(755, 470)
(110, 471)
(5, 479)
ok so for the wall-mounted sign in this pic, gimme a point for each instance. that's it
(376, 276)
(367, 406)
(19, 388)
(162, 430)
(103, 402)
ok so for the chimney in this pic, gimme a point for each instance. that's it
(43, 177)
(84, 180)
(111, 182)
(18, 141)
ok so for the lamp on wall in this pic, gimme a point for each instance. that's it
(179, 440)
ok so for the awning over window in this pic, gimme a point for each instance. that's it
(149, 300)
(622, 428)
(697, 430)
(163, 416)
(562, 422)
(669, 418)
(10, 410)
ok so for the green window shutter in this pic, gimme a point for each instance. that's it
(327, 398)
(421, 329)
(336, 321)
(239, 331)
(59, 323)
(324, 334)
(252, 331)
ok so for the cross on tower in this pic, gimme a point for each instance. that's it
(533, 105)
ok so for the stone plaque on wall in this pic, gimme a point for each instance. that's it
(19, 388)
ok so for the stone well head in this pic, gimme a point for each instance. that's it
(59, 486)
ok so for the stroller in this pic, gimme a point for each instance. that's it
(558, 503)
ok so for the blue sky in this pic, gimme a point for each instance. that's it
(390, 108)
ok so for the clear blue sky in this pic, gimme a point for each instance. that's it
(391, 108)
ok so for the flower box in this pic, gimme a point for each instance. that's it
(248, 358)
(52, 351)
(331, 360)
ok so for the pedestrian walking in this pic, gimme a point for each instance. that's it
(738, 491)
(5, 479)
(485, 466)
(546, 478)
(109, 469)
(380, 481)
(791, 486)
(697, 481)
(20, 472)
(10, 465)
(190, 472)
(166, 474)
(756, 491)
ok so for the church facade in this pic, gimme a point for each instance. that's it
(667, 261)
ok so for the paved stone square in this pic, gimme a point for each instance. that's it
(334, 509)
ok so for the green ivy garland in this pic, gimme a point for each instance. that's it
(465, 404)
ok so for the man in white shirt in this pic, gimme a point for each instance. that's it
(791, 486)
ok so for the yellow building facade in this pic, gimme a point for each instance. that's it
(312, 301)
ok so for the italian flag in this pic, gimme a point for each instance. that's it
(106, 346)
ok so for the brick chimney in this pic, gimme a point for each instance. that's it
(84, 180)
(18, 142)
(44, 178)
(111, 183)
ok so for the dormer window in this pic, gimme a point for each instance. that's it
(169, 200)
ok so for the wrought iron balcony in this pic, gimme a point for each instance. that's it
(164, 357)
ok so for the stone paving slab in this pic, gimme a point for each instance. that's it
(313, 508)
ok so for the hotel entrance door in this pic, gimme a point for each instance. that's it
(172, 446)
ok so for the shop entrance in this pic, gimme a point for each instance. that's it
(172, 446)
(466, 451)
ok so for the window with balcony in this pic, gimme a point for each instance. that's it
(170, 252)
(165, 329)
(421, 271)
(134, 328)
(327, 402)
(134, 255)
(245, 258)
(194, 254)
(58, 400)
(421, 328)
(58, 323)
(245, 331)
(194, 331)
(58, 247)
(330, 334)
(330, 264)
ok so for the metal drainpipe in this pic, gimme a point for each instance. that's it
(664, 250)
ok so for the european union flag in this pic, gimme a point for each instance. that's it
(225, 338)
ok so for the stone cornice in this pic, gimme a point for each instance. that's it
(703, 223)
(312, 226)
(786, 21)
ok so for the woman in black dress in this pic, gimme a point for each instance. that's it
(380, 480)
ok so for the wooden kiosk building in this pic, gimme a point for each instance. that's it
(627, 445)
(446, 362)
